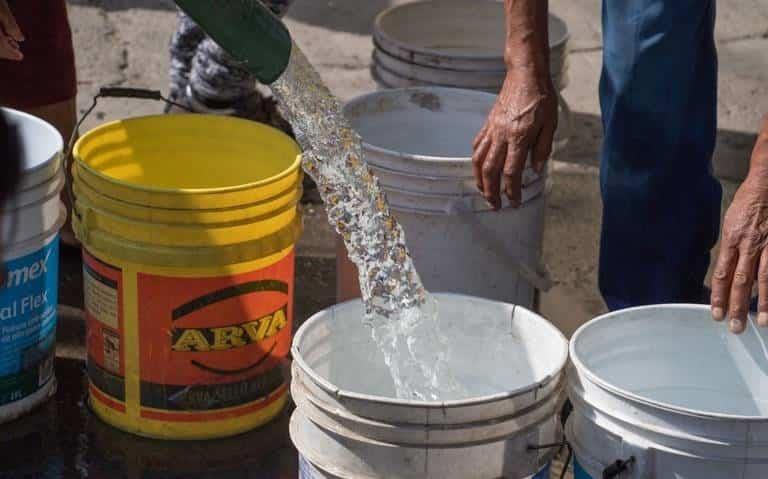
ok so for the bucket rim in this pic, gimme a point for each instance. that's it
(637, 398)
(296, 164)
(381, 56)
(379, 31)
(455, 403)
(446, 161)
(16, 250)
(36, 194)
(56, 155)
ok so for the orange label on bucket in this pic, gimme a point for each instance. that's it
(103, 293)
(207, 344)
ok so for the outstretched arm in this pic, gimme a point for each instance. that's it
(524, 118)
(744, 246)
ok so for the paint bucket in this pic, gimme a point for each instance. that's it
(670, 394)
(188, 225)
(418, 142)
(452, 43)
(349, 424)
(29, 233)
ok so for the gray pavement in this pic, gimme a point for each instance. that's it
(124, 42)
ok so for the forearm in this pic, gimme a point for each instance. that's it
(758, 165)
(527, 42)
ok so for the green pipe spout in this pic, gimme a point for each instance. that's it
(248, 31)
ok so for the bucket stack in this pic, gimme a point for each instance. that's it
(29, 234)
(188, 224)
(452, 43)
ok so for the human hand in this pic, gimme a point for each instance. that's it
(744, 246)
(522, 121)
(10, 34)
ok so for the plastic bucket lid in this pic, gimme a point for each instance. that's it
(187, 161)
(41, 147)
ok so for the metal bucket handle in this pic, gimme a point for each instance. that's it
(568, 117)
(105, 92)
(538, 277)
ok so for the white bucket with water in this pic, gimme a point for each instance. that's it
(349, 424)
(452, 43)
(418, 142)
(29, 235)
(670, 394)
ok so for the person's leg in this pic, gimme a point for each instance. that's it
(661, 202)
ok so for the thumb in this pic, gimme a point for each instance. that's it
(8, 22)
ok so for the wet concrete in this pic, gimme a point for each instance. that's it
(64, 439)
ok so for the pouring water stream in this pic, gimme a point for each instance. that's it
(402, 315)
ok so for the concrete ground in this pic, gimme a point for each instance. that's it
(124, 42)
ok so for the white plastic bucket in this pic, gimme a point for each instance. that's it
(452, 43)
(418, 141)
(348, 423)
(672, 392)
(389, 76)
(29, 232)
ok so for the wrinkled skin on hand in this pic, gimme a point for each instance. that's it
(743, 257)
(10, 34)
(522, 121)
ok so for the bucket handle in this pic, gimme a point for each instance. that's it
(568, 116)
(539, 277)
(106, 92)
(618, 467)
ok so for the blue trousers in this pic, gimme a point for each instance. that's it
(661, 202)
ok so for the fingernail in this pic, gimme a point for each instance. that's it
(736, 326)
(762, 319)
(718, 313)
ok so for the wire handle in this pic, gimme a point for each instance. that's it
(613, 471)
(106, 92)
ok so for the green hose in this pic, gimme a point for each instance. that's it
(247, 30)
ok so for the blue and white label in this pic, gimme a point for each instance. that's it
(543, 474)
(579, 472)
(28, 299)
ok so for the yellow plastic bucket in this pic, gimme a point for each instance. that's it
(188, 225)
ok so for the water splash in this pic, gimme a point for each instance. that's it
(402, 314)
